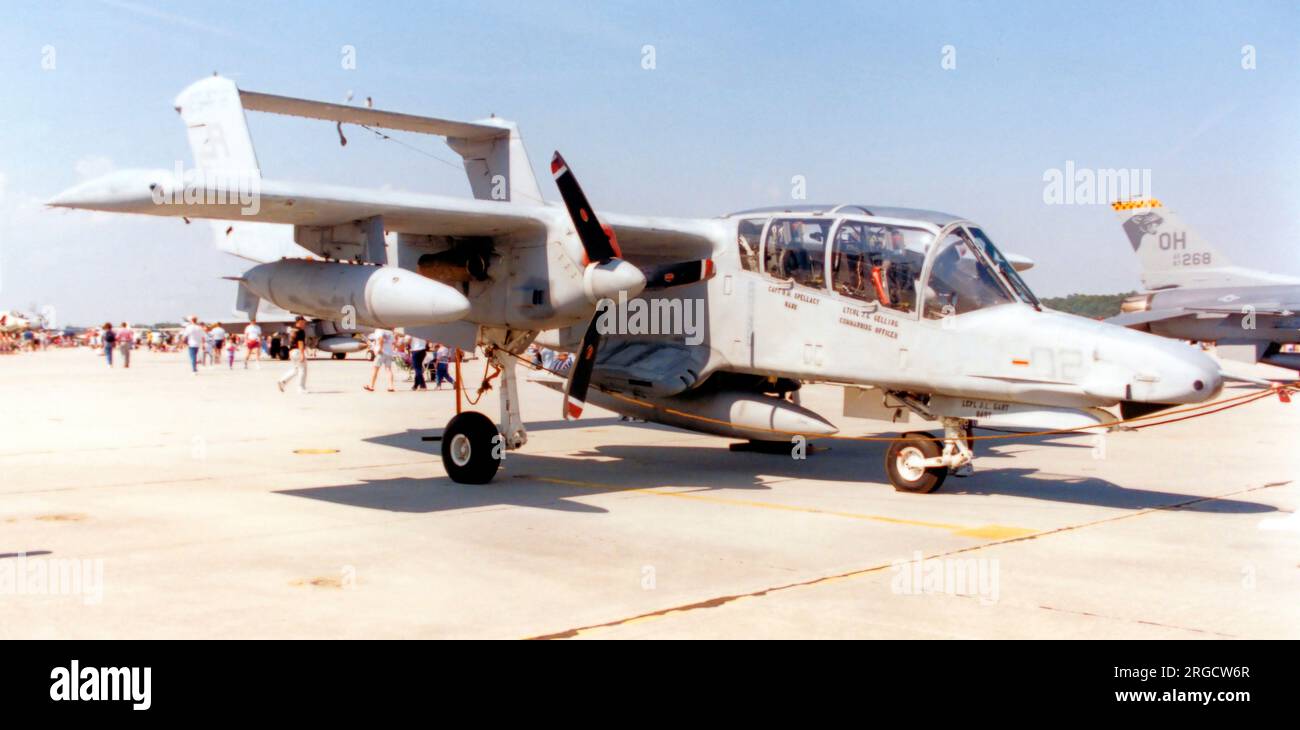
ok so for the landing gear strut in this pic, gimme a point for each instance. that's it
(472, 446)
(919, 462)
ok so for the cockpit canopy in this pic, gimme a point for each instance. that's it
(885, 261)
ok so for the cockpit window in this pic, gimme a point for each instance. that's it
(748, 239)
(962, 280)
(879, 263)
(796, 249)
(1009, 272)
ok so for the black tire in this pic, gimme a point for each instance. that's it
(468, 444)
(911, 443)
(339, 355)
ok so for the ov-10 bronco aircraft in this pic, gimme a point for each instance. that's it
(913, 312)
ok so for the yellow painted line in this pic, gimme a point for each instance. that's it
(984, 531)
(995, 532)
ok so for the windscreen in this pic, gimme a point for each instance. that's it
(1012, 276)
(962, 280)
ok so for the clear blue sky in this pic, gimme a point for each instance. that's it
(744, 96)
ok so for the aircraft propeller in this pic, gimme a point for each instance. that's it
(606, 275)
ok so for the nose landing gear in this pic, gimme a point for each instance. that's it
(919, 462)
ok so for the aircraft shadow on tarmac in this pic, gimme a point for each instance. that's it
(551, 482)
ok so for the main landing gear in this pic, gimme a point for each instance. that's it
(919, 462)
(472, 446)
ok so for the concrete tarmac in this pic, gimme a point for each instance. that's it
(214, 506)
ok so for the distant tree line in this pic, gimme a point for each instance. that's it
(1096, 306)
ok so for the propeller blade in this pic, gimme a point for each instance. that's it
(596, 239)
(678, 274)
(575, 391)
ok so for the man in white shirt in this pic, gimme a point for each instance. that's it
(381, 344)
(253, 341)
(194, 336)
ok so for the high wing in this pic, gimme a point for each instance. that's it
(313, 204)
(299, 204)
(651, 239)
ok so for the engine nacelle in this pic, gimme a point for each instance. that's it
(378, 296)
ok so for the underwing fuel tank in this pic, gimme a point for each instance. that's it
(335, 344)
(379, 296)
(731, 413)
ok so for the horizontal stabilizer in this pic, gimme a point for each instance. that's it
(344, 113)
(491, 150)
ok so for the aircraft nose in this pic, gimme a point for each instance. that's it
(1151, 369)
(1187, 375)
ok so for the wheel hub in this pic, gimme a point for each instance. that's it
(461, 448)
(909, 462)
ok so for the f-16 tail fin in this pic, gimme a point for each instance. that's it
(1172, 255)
